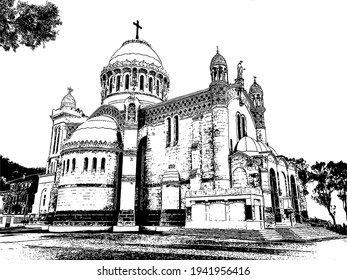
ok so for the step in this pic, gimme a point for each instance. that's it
(315, 233)
(270, 235)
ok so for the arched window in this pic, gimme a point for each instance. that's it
(118, 83)
(127, 82)
(58, 138)
(150, 86)
(131, 112)
(54, 140)
(73, 165)
(168, 132)
(176, 130)
(67, 165)
(283, 185)
(44, 200)
(238, 126)
(94, 165)
(111, 84)
(157, 87)
(44, 196)
(103, 161)
(141, 82)
(244, 126)
(85, 165)
(63, 168)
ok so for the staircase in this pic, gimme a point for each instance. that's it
(314, 233)
(241, 234)
(270, 235)
(299, 233)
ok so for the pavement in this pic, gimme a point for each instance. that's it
(35, 245)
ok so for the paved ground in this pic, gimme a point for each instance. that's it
(107, 246)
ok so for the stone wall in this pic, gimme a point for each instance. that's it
(80, 176)
(85, 198)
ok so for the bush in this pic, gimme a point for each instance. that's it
(341, 229)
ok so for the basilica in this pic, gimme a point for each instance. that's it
(141, 159)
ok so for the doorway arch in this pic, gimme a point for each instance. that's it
(295, 198)
(274, 196)
(140, 179)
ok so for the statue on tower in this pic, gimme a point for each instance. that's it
(240, 70)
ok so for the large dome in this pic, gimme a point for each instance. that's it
(135, 68)
(138, 50)
(101, 128)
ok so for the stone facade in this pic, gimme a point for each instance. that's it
(198, 160)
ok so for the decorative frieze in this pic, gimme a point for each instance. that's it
(84, 146)
(231, 191)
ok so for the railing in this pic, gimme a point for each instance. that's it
(219, 191)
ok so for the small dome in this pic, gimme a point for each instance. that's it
(273, 151)
(101, 128)
(218, 60)
(255, 88)
(68, 102)
(138, 50)
(263, 147)
(248, 144)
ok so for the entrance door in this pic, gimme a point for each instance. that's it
(295, 199)
(140, 181)
(274, 196)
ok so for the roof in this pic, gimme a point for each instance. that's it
(138, 50)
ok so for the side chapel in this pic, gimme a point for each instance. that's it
(201, 160)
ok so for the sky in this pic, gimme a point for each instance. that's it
(297, 50)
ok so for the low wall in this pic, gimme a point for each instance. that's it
(12, 220)
(252, 225)
(78, 228)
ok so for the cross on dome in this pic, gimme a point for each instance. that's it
(137, 24)
(70, 90)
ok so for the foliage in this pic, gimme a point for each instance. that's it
(10, 170)
(27, 24)
(324, 176)
(340, 172)
(302, 168)
(338, 229)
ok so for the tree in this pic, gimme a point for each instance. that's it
(10, 171)
(302, 169)
(27, 24)
(324, 175)
(340, 172)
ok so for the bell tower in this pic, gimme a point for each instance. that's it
(65, 120)
(257, 96)
(218, 69)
